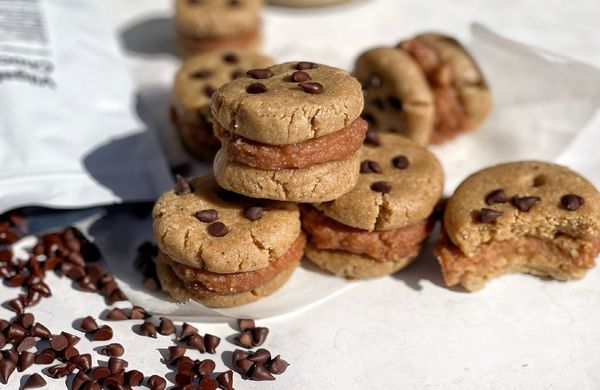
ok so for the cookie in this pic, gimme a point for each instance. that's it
(205, 25)
(289, 132)
(384, 218)
(195, 82)
(531, 217)
(221, 245)
(430, 90)
(306, 3)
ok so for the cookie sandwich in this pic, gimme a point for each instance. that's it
(289, 132)
(205, 25)
(428, 88)
(531, 217)
(379, 226)
(222, 249)
(196, 81)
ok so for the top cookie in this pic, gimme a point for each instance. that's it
(191, 238)
(400, 184)
(217, 18)
(201, 75)
(276, 110)
(534, 199)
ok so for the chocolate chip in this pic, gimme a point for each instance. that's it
(151, 284)
(369, 118)
(312, 87)
(27, 343)
(372, 138)
(40, 331)
(211, 342)
(209, 215)
(217, 229)
(395, 103)
(209, 90)
(255, 88)
(196, 341)
(185, 363)
(244, 366)
(239, 355)
(84, 361)
(304, 65)
(175, 353)
(114, 350)
(300, 76)
(202, 73)
(34, 381)
(88, 324)
(261, 356)
(100, 372)
(115, 381)
(134, 378)
(400, 162)
(80, 379)
(489, 215)
(245, 324)
(117, 314)
(116, 296)
(116, 365)
(26, 320)
(231, 58)
(572, 202)
(186, 331)
(184, 378)
(166, 327)
(225, 380)
(206, 367)
(259, 372)
(15, 333)
(496, 196)
(138, 313)
(208, 384)
(525, 203)
(370, 166)
(11, 355)
(375, 80)
(61, 370)
(245, 339)
(236, 74)
(59, 342)
(378, 103)
(103, 333)
(259, 334)
(254, 213)
(69, 353)
(260, 73)
(155, 382)
(278, 365)
(381, 186)
(46, 356)
(71, 338)
(16, 304)
(182, 186)
(147, 329)
(25, 360)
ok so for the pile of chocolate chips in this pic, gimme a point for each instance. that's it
(70, 254)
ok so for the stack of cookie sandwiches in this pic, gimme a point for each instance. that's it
(205, 25)
(289, 132)
(378, 227)
(427, 88)
(199, 77)
(223, 249)
(530, 217)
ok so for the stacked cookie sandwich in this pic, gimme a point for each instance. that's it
(427, 88)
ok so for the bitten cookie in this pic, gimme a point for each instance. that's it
(199, 77)
(289, 132)
(205, 25)
(530, 217)
(428, 88)
(378, 227)
(224, 249)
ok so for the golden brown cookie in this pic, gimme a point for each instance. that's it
(531, 216)
(197, 79)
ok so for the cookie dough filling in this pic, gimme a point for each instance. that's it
(200, 279)
(326, 233)
(247, 39)
(450, 115)
(331, 147)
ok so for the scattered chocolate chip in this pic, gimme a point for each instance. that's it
(225, 380)
(245, 339)
(138, 313)
(211, 342)
(80, 379)
(239, 355)
(236, 74)
(61, 370)
(15, 333)
(17, 305)
(218, 229)
(372, 138)
(182, 186)
(261, 356)
(155, 382)
(375, 80)
(231, 58)
(202, 74)
(185, 363)
(69, 353)
(151, 284)
(26, 320)
(58, 342)
(84, 361)
(72, 340)
(525, 203)
(103, 333)
(395, 103)
(208, 384)
(209, 90)
(116, 296)
(370, 166)
(244, 366)
(209, 215)
(134, 378)
(34, 381)
(115, 381)
(175, 353)
(246, 324)
(488, 215)
(183, 378)
(496, 196)
(381, 186)
(25, 360)
(41, 331)
(572, 202)
(260, 73)
(117, 314)
(88, 324)
(11, 355)
(147, 329)
(300, 76)
(259, 372)
(304, 65)
(400, 162)
(41, 288)
(206, 367)
(186, 331)
(46, 356)
(312, 87)
(116, 365)
(26, 344)
(113, 350)
(254, 213)
(196, 341)
(166, 327)
(100, 372)
(255, 88)
(92, 386)
(259, 335)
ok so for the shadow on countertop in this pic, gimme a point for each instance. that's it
(151, 37)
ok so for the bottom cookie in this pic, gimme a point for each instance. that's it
(354, 266)
(173, 285)
(197, 138)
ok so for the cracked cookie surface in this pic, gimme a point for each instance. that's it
(415, 189)
(247, 246)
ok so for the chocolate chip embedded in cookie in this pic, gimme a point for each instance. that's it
(530, 217)
(217, 24)
(378, 227)
(219, 249)
(199, 77)
(289, 132)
